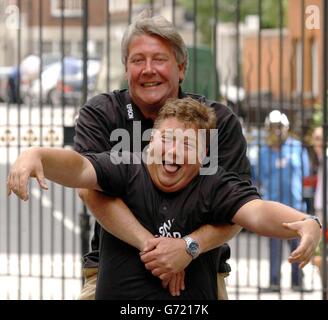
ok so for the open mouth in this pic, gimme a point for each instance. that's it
(150, 84)
(171, 168)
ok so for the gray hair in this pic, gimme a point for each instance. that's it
(145, 24)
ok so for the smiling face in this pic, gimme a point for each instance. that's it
(174, 155)
(152, 72)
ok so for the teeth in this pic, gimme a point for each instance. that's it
(150, 84)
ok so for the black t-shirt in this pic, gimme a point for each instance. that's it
(105, 113)
(211, 199)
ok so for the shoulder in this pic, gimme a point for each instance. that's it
(104, 101)
(222, 111)
(106, 106)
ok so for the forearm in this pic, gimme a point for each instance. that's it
(65, 167)
(213, 236)
(116, 218)
(266, 218)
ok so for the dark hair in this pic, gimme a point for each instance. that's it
(190, 112)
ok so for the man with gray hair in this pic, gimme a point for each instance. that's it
(155, 59)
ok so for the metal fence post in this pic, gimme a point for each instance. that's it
(85, 230)
(84, 217)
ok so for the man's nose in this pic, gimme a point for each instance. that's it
(175, 153)
(148, 69)
(171, 152)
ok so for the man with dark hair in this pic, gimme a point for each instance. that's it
(155, 59)
(169, 176)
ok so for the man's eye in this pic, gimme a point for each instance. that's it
(137, 60)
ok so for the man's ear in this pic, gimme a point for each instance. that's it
(182, 71)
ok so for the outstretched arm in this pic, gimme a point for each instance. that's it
(273, 219)
(63, 166)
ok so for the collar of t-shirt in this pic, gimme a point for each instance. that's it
(133, 113)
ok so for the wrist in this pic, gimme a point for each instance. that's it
(143, 242)
(191, 246)
(314, 218)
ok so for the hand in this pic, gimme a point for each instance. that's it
(27, 165)
(175, 284)
(310, 234)
(164, 256)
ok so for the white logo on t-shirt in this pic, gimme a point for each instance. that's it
(129, 109)
(165, 230)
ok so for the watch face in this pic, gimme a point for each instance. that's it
(193, 247)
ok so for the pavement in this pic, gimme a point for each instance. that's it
(248, 273)
(251, 271)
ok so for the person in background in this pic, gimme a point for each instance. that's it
(13, 79)
(317, 141)
(280, 169)
(25, 74)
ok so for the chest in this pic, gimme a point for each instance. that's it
(167, 215)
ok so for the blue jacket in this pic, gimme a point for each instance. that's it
(282, 171)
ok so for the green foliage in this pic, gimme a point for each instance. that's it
(227, 12)
(317, 116)
(207, 76)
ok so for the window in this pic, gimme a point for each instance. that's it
(72, 8)
(116, 6)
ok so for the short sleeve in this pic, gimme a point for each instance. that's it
(113, 170)
(230, 147)
(95, 122)
(228, 194)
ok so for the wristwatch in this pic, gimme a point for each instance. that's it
(315, 218)
(192, 246)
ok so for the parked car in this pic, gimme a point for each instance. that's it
(72, 88)
(52, 75)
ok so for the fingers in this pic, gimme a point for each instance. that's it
(166, 276)
(160, 272)
(172, 286)
(166, 281)
(182, 278)
(151, 244)
(303, 252)
(17, 183)
(176, 283)
(41, 180)
(308, 244)
(147, 256)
